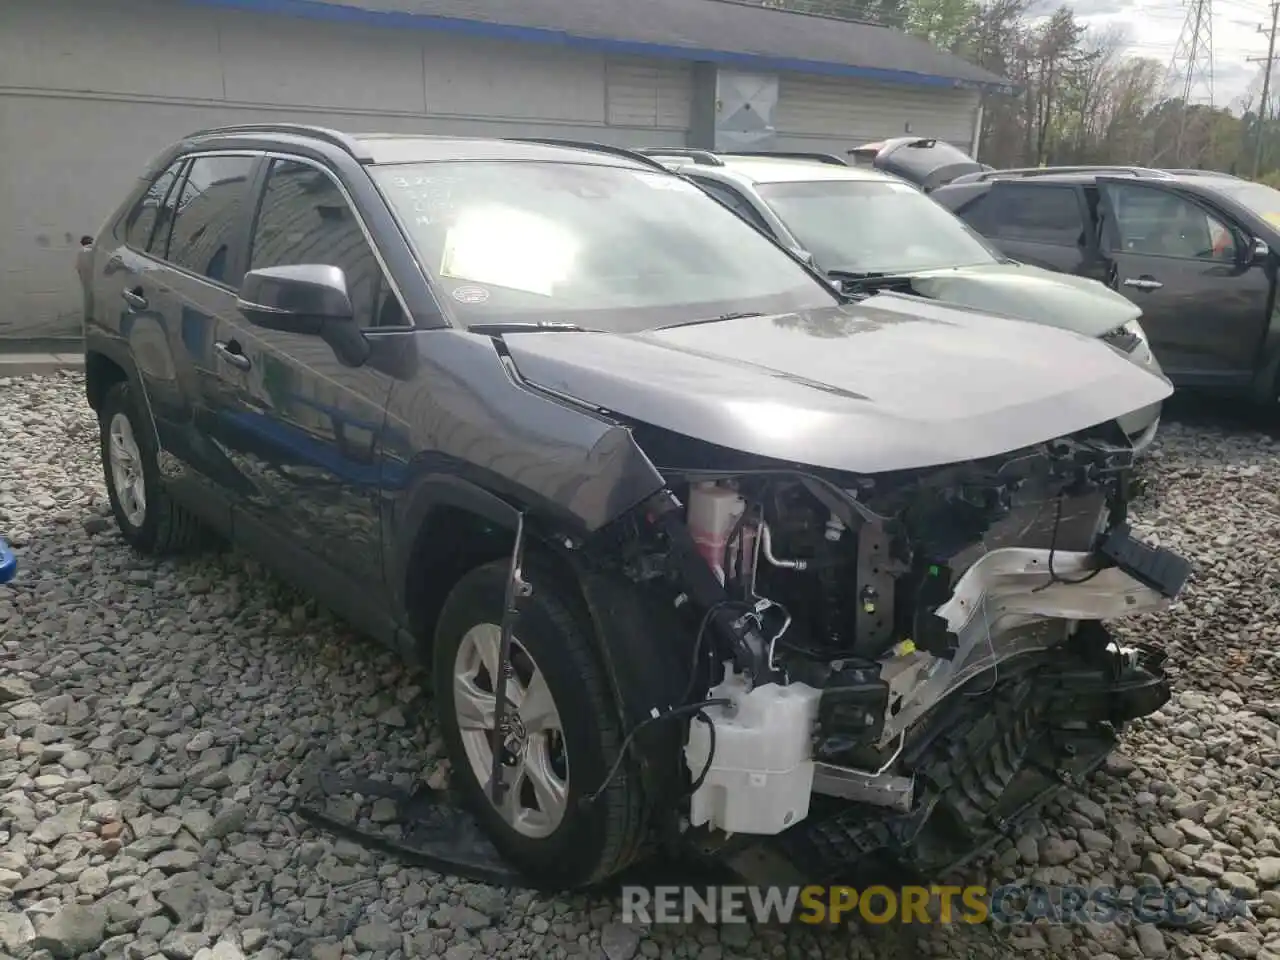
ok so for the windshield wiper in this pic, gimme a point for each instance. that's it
(723, 316)
(515, 326)
(866, 280)
(855, 274)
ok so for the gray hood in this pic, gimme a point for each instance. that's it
(890, 383)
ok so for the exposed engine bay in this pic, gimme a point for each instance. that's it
(833, 620)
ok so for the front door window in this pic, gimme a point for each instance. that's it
(1154, 222)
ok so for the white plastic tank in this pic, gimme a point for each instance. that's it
(761, 773)
(713, 512)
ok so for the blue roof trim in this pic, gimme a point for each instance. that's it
(333, 12)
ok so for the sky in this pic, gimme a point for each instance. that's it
(1153, 26)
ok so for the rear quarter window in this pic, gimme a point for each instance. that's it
(139, 225)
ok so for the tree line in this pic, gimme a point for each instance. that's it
(1082, 99)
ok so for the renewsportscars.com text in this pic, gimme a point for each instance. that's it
(1007, 904)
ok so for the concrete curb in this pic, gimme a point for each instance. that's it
(30, 364)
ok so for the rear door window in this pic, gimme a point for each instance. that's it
(208, 214)
(1029, 213)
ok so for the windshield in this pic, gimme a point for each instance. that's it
(603, 247)
(874, 226)
(1258, 197)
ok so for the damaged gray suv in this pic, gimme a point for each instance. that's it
(702, 555)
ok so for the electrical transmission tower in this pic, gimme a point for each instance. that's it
(1268, 61)
(1190, 76)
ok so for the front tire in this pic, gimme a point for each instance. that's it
(145, 514)
(562, 732)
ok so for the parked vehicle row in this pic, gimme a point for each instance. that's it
(703, 551)
(1192, 249)
(1195, 250)
(868, 230)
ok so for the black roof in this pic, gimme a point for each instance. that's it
(721, 31)
(1200, 181)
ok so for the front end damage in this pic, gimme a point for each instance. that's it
(828, 676)
(888, 669)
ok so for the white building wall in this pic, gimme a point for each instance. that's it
(91, 89)
(832, 114)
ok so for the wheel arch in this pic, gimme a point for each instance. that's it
(103, 369)
(458, 526)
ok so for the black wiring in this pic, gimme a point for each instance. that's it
(685, 709)
(1053, 546)
(697, 641)
(711, 753)
(681, 711)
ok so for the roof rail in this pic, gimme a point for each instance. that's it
(623, 152)
(1191, 172)
(828, 158)
(333, 137)
(701, 157)
(1147, 172)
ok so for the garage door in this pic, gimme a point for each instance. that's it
(832, 114)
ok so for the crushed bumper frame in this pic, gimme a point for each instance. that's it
(1017, 600)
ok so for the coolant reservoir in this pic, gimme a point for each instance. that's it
(713, 512)
(761, 772)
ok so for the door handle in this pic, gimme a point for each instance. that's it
(134, 298)
(1143, 283)
(230, 352)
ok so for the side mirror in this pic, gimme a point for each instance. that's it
(1261, 251)
(309, 299)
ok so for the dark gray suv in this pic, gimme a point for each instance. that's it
(548, 413)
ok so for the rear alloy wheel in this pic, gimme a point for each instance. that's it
(125, 460)
(560, 732)
(147, 516)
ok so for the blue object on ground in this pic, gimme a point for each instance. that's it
(8, 562)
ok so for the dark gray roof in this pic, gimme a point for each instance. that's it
(724, 32)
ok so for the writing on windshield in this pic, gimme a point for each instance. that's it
(599, 246)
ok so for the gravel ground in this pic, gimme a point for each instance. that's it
(154, 720)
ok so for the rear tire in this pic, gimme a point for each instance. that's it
(570, 844)
(147, 517)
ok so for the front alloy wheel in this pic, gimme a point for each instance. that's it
(560, 731)
(533, 766)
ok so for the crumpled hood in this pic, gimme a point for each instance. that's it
(890, 383)
(1031, 293)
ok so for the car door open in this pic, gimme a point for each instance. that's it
(1192, 272)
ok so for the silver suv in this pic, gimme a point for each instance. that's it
(871, 231)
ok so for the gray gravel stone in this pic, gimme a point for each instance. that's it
(16, 932)
(72, 932)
